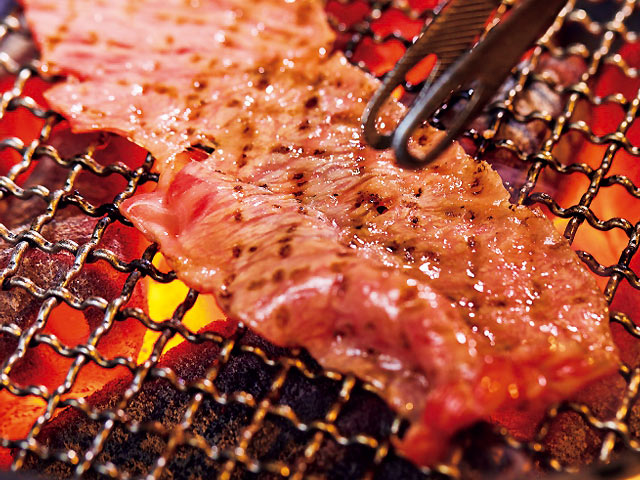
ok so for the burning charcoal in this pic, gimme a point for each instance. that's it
(96, 190)
(485, 456)
(488, 457)
(573, 441)
(221, 425)
(41, 365)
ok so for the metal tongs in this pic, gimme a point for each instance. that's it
(451, 36)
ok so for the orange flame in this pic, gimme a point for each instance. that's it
(43, 366)
(612, 201)
(615, 200)
(164, 298)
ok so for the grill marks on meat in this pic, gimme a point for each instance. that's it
(165, 37)
(165, 66)
(430, 284)
(308, 297)
(445, 350)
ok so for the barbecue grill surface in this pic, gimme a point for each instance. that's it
(237, 406)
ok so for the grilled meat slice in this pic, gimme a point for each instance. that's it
(40, 365)
(164, 62)
(482, 301)
(399, 333)
(282, 268)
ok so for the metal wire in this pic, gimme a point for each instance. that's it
(331, 431)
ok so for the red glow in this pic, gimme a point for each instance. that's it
(421, 70)
(613, 201)
(379, 58)
(20, 122)
(393, 21)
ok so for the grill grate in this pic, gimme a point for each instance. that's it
(295, 420)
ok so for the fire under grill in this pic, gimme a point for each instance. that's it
(235, 406)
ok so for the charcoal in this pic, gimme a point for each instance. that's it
(20, 307)
(41, 364)
(109, 149)
(221, 425)
(485, 455)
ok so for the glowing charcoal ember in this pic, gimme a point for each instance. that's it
(570, 438)
(41, 365)
(20, 123)
(102, 148)
(221, 425)
(276, 442)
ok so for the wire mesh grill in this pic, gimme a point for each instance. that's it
(233, 405)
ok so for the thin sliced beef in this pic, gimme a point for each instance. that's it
(166, 60)
(284, 270)
(430, 284)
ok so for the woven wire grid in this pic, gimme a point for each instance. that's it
(238, 458)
